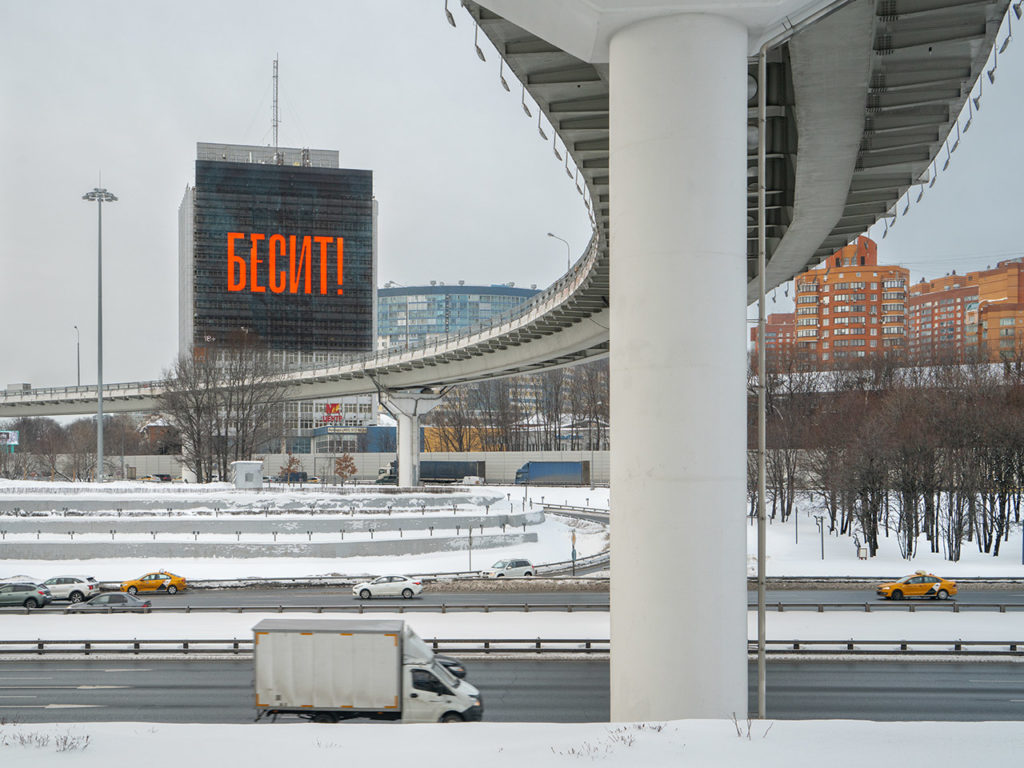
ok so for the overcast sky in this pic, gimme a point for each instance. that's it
(467, 189)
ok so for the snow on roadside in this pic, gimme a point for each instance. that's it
(696, 743)
(790, 625)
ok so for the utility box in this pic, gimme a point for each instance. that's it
(247, 474)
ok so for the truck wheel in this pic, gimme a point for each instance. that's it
(451, 717)
(76, 596)
(132, 590)
(364, 594)
(406, 593)
(172, 590)
(324, 717)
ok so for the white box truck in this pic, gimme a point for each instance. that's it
(327, 670)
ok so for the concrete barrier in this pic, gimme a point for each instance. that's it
(43, 550)
(270, 524)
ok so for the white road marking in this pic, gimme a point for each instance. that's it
(26, 678)
(19, 697)
(61, 687)
(47, 707)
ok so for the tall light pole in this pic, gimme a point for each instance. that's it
(78, 355)
(100, 196)
(567, 251)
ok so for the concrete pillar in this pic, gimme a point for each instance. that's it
(407, 407)
(678, 299)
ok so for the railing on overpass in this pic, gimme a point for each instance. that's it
(533, 309)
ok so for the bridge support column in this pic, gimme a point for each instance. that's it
(678, 111)
(407, 407)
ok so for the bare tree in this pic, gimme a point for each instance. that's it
(224, 404)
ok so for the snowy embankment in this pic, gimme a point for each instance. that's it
(691, 743)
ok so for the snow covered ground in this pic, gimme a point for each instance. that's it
(790, 625)
(689, 743)
(780, 744)
(554, 542)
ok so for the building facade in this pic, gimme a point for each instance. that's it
(412, 316)
(277, 242)
(779, 336)
(851, 307)
(977, 315)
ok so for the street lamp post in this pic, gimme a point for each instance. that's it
(78, 355)
(567, 250)
(820, 520)
(100, 196)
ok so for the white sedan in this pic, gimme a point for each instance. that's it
(387, 586)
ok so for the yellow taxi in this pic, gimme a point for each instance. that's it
(158, 581)
(918, 584)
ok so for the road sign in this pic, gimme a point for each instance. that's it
(8, 437)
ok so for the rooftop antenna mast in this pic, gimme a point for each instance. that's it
(277, 155)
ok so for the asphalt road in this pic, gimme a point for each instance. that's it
(331, 596)
(219, 691)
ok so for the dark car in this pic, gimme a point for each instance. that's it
(163, 477)
(23, 593)
(112, 602)
(452, 664)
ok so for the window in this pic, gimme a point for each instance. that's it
(807, 332)
(806, 299)
(892, 330)
(1006, 321)
(893, 296)
(807, 321)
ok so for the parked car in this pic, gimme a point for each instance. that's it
(159, 581)
(510, 568)
(388, 586)
(918, 584)
(73, 588)
(112, 602)
(24, 593)
(163, 477)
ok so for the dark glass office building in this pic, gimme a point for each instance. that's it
(277, 243)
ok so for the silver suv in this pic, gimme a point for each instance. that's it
(23, 593)
(73, 588)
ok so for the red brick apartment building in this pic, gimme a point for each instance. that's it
(959, 317)
(779, 335)
(851, 307)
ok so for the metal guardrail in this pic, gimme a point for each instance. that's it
(889, 647)
(910, 607)
(237, 646)
(570, 508)
(384, 606)
(538, 645)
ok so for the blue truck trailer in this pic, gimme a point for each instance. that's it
(554, 473)
(435, 471)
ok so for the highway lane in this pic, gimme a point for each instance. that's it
(331, 596)
(219, 691)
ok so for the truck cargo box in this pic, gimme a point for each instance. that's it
(328, 664)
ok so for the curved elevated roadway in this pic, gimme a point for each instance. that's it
(860, 105)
